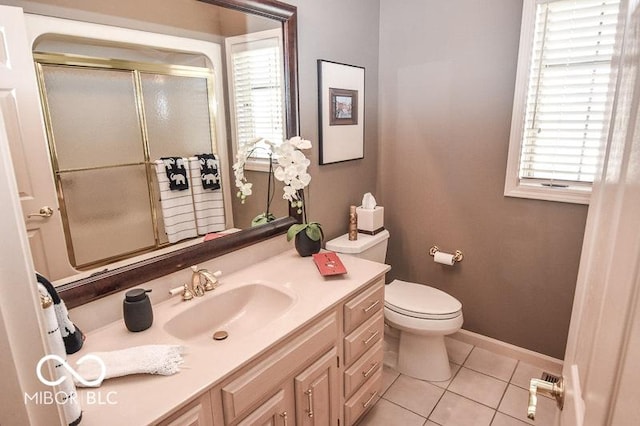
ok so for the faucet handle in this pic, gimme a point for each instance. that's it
(211, 279)
(184, 289)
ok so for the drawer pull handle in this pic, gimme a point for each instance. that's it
(371, 398)
(371, 306)
(370, 370)
(374, 334)
(309, 394)
(284, 418)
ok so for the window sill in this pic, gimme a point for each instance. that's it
(571, 194)
(257, 165)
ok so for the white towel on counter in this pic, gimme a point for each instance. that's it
(71, 406)
(177, 208)
(149, 359)
(209, 206)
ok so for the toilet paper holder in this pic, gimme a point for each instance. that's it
(457, 255)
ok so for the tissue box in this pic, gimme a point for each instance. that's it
(370, 221)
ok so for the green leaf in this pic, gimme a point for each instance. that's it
(314, 231)
(294, 229)
(262, 218)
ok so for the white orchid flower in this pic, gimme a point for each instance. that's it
(291, 168)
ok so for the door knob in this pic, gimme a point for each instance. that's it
(555, 390)
(46, 211)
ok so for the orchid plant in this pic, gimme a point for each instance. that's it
(291, 169)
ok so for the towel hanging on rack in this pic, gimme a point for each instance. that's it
(209, 171)
(176, 173)
(177, 207)
(208, 203)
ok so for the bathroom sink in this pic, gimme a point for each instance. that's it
(238, 312)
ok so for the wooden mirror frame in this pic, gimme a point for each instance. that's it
(111, 281)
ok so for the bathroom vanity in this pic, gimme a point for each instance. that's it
(302, 350)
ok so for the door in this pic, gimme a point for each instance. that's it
(276, 411)
(20, 105)
(21, 344)
(601, 371)
(317, 392)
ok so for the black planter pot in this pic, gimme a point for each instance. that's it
(305, 245)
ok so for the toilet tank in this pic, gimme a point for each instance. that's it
(370, 247)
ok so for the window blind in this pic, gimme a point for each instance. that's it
(258, 103)
(566, 116)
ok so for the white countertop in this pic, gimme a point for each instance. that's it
(144, 399)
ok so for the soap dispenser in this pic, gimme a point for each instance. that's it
(137, 312)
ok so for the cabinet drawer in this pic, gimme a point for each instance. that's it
(363, 369)
(363, 338)
(245, 391)
(363, 306)
(364, 399)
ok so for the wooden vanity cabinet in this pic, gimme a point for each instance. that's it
(277, 410)
(317, 392)
(327, 374)
(196, 413)
(306, 364)
(364, 329)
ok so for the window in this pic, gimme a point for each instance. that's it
(563, 91)
(255, 73)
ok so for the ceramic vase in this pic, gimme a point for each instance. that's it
(305, 245)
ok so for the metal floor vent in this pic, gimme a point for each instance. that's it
(548, 377)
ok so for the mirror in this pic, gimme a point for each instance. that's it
(95, 286)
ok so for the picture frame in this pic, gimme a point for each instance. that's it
(343, 104)
(341, 100)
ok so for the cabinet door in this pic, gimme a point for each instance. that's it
(198, 413)
(276, 411)
(317, 392)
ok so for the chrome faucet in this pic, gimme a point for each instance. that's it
(201, 281)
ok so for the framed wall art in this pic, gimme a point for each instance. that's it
(341, 112)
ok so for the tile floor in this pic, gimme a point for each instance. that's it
(486, 389)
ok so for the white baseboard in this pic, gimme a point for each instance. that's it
(553, 365)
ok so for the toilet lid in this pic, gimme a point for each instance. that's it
(420, 301)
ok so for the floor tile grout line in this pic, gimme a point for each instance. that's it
(444, 390)
(505, 391)
(473, 400)
(514, 418)
(391, 384)
(404, 408)
(468, 355)
(513, 373)
(495, 413)
(484, 374)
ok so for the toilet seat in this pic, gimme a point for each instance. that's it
(421, 301)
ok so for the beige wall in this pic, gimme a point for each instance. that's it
(346, 32)
(447, 80)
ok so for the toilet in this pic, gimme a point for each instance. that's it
(422, 314)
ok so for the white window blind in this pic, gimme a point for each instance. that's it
(257, 98)
(566, 116)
